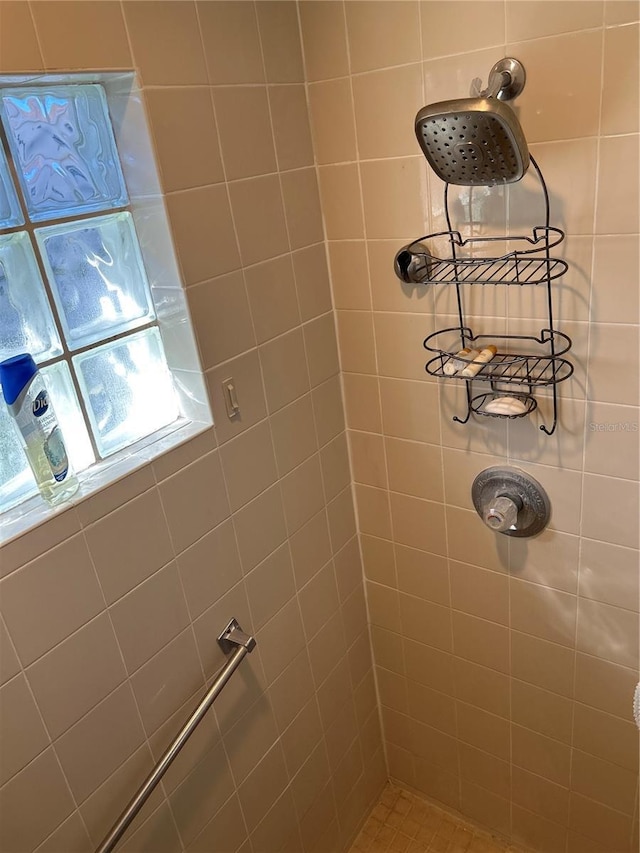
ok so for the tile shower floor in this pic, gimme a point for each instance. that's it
(402, 822)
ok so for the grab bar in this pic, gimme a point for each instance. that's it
(232, 636)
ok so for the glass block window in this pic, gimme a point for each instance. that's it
(74, 287)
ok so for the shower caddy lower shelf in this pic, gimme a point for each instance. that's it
(511, 371)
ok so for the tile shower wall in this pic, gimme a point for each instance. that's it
(111, 609)
(505, 668)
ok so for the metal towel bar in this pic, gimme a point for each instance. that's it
(233, 637)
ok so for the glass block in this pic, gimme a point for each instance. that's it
(26, 321)
(10, 213)
(64, 149)
(57, 378)
(127, 388)
(97, 277)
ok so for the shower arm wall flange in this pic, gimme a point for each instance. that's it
(506, 81)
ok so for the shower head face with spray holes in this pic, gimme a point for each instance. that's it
(473, 142)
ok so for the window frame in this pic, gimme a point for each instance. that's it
(147, 208)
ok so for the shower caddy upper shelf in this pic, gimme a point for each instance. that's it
(514, 371)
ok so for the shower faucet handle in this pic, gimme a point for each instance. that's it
(502, 514)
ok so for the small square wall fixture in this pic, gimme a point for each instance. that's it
(64, 150)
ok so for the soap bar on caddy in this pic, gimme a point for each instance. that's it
(505, 406)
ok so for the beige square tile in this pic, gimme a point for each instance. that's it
(272, 296)
(163, 683)
(23, 733)
(428, 665)
(312, 281)
(362, 402)
(21, 828)
(385, 101)
(263, 786)
(541, 711)
(9, 663)
(294, 147)
(460, 470)
(576, 58)
(484, 769)
(272, 831)
(541, 755)
(70, 835)
(620, 94)
(617, 206)
(270, 586)
(356, 341)
(619, 528)
(597, 580)
(551, 559)
(294, 435)
(393, 690)
(612, 378)
(332, 119)
(382, 34)
(480, 592)
(410, 409)
(246, 137)
(418, 523)
(480, 686)
(278, 22)
(226, 829)
(302, 207)
(425, 622)
(302, 493)
(334, 458)
(216, 550)
(400, 338)
(296, 711)
(310, 548)
(247, 380)
(150, 616)
(368, 459)
(64, 32)
(260, 527)
(284, 369)
(414, 469)
(615, 257)
(604, 685)
(129, 544)
(480, 641)
(437, 783)
(174, 56)
(479, 545)
(326, 648)
(19, 48)
(321, 348)
(319, 602)
(169, 111)
(530, 19)
(249, 464)
(97, 745)
(231, 42)
(373, 511)
(350, 288)
(203, 232)
(378, 562)
(611, 441)
(393, 193)
(348, 566)
(222, 319)
(539, 795)
(38, 610)
(604, 782)
(621, 13)
(536, 831)
(570, 168)
(208, 504)
(422, 574)
(341, 201)
(384, 606)
(599, 822)
(324, 38)
(258, 213)
(608, 632)
(606, 736)
(485, 806)
(58, 680)
(543, 612)
(543, 664)
(461, 28)
(483, 730)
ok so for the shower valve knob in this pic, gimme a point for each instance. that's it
(502, 515)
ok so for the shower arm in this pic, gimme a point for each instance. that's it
(506, 81)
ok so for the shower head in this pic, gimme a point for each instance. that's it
(473, 141)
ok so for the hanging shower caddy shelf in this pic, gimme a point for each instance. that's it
(510, 372)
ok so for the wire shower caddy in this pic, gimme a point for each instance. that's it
(509, 373)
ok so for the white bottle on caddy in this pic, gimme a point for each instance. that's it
(29, 405)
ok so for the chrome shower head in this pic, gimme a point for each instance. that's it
(478, 140)
(473, 141)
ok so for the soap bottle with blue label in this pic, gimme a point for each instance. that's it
(29, 405)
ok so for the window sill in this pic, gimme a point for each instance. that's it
(35, 511)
